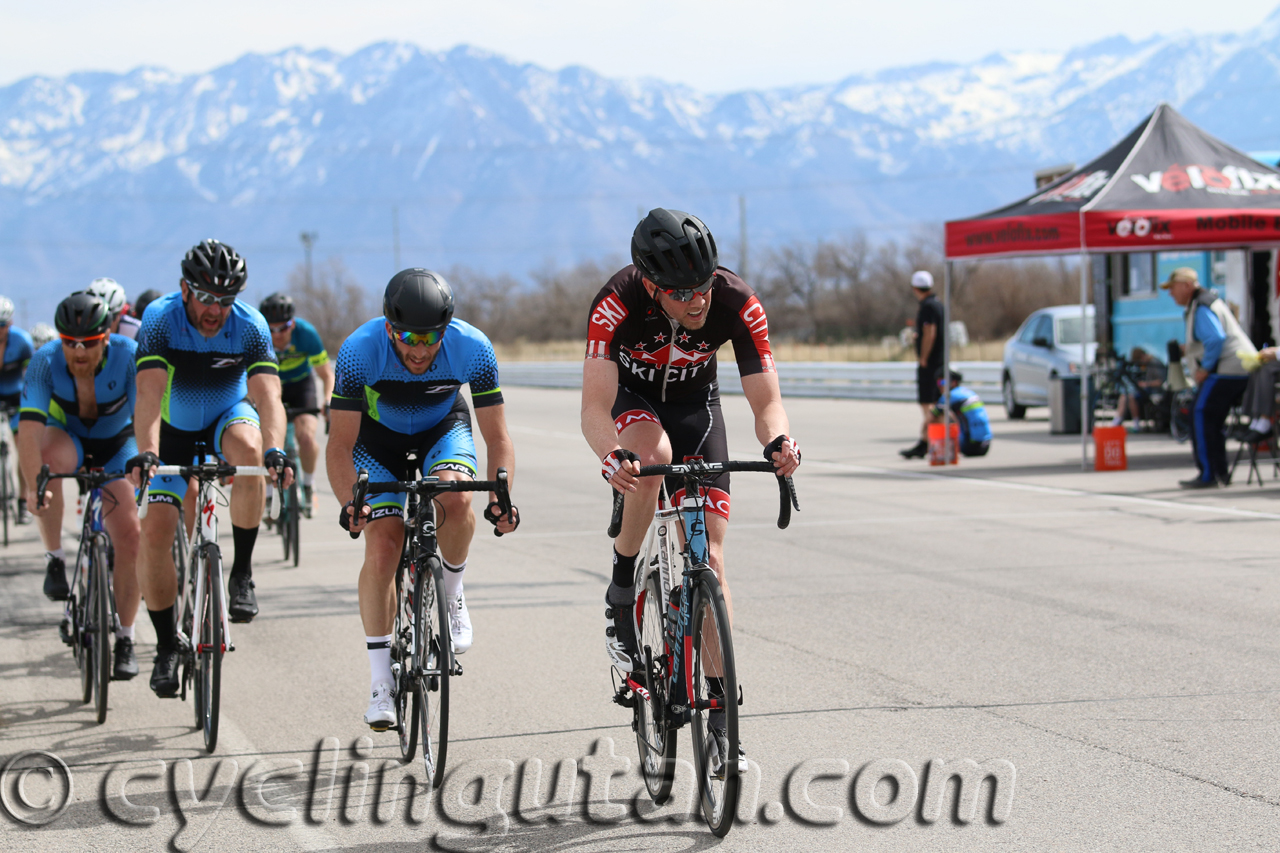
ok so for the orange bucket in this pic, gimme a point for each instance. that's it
(937, 446)
(1109, 452)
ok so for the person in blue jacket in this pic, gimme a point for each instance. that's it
(968, 410)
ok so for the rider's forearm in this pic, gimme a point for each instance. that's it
(501, 453)
(30, 438)
(146, 420)
(598, 428)
(340, 470)
(325, 372)
(771, 422)
(264, 392)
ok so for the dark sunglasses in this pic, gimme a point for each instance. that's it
(204, 297)
(83, 343)
(283, 327)
(412, 339)
(684, 294)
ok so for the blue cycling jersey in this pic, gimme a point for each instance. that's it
(970, 413)
(17, 352)
(50, 390)
(207, 376)
(304, 352)
(371, 378)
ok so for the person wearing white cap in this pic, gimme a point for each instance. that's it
(930, 341)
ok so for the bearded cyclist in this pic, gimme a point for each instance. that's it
(302, 357)
(399, 382)
(206, 375)
(650, 393)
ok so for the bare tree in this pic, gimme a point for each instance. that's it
(333, 301)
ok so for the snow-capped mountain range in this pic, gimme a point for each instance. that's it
(509, 167)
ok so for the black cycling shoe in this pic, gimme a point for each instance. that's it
(164, 678)
(24, 514)
(917, 451)
(1197, 483)
(125, 661)
(242, 602)
(620, 637)
(55, 580)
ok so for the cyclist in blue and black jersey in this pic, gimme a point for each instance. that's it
(399, 379)
(17, 349)
(302, 358)
(77, 412)
(970, 413)
(206, 375)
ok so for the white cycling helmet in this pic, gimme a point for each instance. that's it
(109, 291)
(42, 333)
(6, 310)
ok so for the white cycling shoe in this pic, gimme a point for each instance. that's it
(382, 707)
(459, 624)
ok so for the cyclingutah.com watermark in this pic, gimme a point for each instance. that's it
(484, 799)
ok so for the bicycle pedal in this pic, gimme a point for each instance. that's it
(456, 669)
(379, 727)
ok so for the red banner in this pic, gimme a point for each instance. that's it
(1018, 235)
(1164, 230)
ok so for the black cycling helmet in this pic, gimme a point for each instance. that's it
(418, 300)
(277, 308)
(144, 299)
(674, 249)
(82, 315)
(215, 267)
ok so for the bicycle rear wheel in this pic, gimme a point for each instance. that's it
(282, 522)
(434, 659)
(295, 511)
(656, 743)
(402, 663)
(99, 630)
(208, 651)
(715, 753)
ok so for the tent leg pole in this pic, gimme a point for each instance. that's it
(946, 362)
(1086, 369)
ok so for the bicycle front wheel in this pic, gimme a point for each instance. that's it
(6, 493)
(209, 649)
(657, 745)
(402, 656)
(100, 627)
(715, 711)
(434, 660)
(295, 511)
(282, 522)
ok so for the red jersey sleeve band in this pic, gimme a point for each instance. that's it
(606, 315)
(753, 317)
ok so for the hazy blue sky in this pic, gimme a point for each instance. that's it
(713, 45)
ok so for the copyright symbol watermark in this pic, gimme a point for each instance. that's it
(35, 787)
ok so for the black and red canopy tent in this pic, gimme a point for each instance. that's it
(1167, 185)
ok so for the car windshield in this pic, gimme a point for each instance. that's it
(1069, 331)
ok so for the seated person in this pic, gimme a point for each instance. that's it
(969, 412)
(1143, 374)
(1259, 401)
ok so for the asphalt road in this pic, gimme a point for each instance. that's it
(1103, 643)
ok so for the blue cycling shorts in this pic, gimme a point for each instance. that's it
(109, 454)
(448, 446)
(177, 447)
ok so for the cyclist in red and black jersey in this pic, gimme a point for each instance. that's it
(649, 389)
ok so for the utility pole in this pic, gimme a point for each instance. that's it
(395, 235)
(308, 239)
(742, 235)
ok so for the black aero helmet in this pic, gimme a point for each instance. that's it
(144, 299)
(82, 315)
(277, 308)
(674, 249)
(418, 300)
(215, 267)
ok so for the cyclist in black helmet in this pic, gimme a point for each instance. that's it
(650, 395)
(303, 359)
(206, 375)
(399, 378)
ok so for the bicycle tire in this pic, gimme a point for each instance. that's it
(100, 627)
(6, 492)
(656, 743)
(79, 610)
(712, 639)
(402, 664)
(209, 651)
(434, 660)
(282, 522)
(295, 512)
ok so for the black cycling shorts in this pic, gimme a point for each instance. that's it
(927, 392)
(300, 394)
(694, 426)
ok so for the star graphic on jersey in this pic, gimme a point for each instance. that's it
(684, 336)
(703, 345)
(660, 338)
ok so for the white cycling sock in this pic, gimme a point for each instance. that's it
(1261, 424)
(308, 477)
(452, 578)
(268, 491)
(379, 659)
(1117, 420)
(56, 555)
(125, 632)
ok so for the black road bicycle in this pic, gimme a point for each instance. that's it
(422, 659)
(291, 508)
(682, 627)
(92, 608)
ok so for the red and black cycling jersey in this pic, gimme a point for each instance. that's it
(659, 358)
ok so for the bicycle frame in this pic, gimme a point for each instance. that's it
(205, 531)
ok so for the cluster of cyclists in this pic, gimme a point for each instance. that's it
(197, 371)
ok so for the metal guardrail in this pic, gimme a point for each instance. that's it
(858, 380)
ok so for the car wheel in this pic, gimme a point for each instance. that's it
(1011, 407)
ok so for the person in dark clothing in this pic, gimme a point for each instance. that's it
(930, 342)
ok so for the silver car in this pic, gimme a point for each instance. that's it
(1047, 345)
